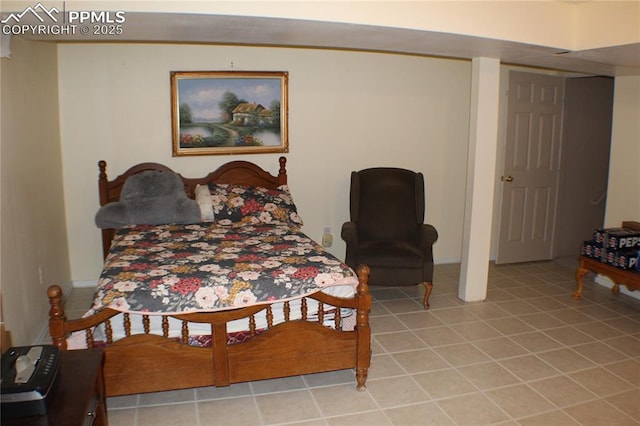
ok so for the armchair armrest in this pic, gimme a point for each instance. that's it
(349, 233)
(428, 236)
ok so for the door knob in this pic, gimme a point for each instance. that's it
(507, 178)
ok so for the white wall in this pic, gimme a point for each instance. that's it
(623, 199)
(347, 111)
(34, 245)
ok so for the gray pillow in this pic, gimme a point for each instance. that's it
(149, 198)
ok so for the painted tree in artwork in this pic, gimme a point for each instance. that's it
(186, 115)
(275, 110)
(229, 101)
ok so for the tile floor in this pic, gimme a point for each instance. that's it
(528, 355)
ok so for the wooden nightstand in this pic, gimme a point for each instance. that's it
(78, 397)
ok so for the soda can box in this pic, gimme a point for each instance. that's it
(627, 259)
(601, 236)
(623, 240)
(589, 248)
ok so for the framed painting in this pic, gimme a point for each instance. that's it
(229, 112)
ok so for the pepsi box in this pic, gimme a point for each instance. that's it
(627, 259)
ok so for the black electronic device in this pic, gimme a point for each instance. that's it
(28, 377)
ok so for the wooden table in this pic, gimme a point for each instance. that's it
(629, 279)
(78, 396)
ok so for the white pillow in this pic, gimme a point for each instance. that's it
(203, 198)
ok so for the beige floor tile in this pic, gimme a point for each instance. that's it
(599, 413)
(403, 306)
(599, 353)
(628, 402)
(278, 385)
(285, 407)
(476, 330)
(498, 295)
(569, 336)
(455, 315)
(384, 366)
(386, 293)
(628, 370)
(419, 361)
(502, 347)
(396, 391)
(399, 341)
(418, 320)
(628, 345)
(444, 383)
(510, 325)
(234, 390)
(168, 415)
(488, 376)
(529, 367)
(485, 311)
(461, 354)
(546, 303)
(386, 324)
(536, 342)
(159, 398)
(598, 330)
(525, 292)
(124, 417)
(473, 409)
(126, 401)
(541, 321)
(518, 307)
(420, 414)
(241, 411)
(519, 400)
(566, 360)
(600, 381)
(439, 336)
(342, 400)
(329, 378)
(371, 418)
(553, 418)
(562, 391)
(571, 316)
(599, 312)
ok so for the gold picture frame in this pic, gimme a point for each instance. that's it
(224, 112)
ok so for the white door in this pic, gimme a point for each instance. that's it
(531, 167)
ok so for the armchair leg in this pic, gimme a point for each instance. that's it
(428, 287)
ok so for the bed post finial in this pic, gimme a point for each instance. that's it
(102, 165)
(102, 182)
(56, 317)
(282, 173)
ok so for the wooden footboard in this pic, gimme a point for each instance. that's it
(150, 363)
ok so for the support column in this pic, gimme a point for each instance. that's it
(481, 161)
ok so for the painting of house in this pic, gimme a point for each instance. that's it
(247, 113)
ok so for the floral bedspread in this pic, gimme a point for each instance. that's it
(207, 267)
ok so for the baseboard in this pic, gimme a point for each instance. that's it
(447, 261)
(85, 284)
(606, 282)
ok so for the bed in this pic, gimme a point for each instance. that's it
(230, 335)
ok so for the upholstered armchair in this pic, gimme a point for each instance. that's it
(387, 231)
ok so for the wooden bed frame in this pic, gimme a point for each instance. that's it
(146, 362)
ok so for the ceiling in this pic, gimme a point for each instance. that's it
(262, 31)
